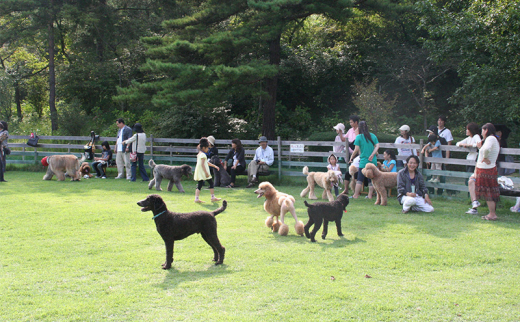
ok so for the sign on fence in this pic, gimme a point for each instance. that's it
(297, 148)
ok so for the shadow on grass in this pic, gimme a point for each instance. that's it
(175, 277)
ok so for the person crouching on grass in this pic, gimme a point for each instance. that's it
(202, 171)
(411, 190)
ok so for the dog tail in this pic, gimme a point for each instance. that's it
(305, 170)
(220, 209)
(307, 204)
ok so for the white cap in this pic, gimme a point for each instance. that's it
(340, 126)
(405, 128)
(211, 140)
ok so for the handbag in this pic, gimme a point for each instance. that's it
(133, 154)
(33, 141)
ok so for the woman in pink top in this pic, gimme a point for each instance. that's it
(483, 183)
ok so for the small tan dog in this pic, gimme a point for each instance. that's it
(61, 164)
(381, 181)
(277, 204)
(324, 179)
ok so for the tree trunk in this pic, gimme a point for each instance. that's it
(268, 127)
(52, 73)
(18, 100)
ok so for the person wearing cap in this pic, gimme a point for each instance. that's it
(340, 138)
(138, 142)
(122, 155)
(212, 151)
(264, 157)
(405, 138)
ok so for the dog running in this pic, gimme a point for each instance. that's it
(177, 226)
(325, 212)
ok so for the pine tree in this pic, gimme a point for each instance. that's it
(226, 49)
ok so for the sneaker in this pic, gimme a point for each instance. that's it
(119, 177)
(103, 177)
(514, 209)
(98, 176)
(472, 211)
(215, 199)
(475, 204)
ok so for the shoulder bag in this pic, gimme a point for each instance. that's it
(133, 154)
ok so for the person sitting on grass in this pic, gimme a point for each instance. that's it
(411, 190)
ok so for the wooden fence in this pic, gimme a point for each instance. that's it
(289, 160)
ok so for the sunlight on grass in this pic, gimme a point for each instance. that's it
(84, 252)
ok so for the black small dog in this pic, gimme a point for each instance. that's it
(177, 226)
(325, 212)
(222, 178)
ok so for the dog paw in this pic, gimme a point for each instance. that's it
(323, 237)
(341, 235)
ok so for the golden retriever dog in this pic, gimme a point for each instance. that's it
(381, 181)
(277, 204)
(324, 179)
(85, 171)
(60, 165)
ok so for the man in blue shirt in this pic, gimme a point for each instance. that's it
(264, 157)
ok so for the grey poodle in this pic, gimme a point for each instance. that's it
(173, 173)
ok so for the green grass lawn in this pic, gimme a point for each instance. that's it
(83, 251)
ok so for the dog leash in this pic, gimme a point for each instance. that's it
(158, 215)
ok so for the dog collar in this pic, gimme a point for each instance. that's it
(158, 214)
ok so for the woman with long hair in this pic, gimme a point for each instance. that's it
(237, 156)
(367, 145)
(483, 183)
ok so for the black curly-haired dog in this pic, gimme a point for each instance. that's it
(222, 178)
(177, 226)
(325, 212)
(172, 173)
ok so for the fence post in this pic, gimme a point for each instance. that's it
(421, 156)
(35, 155)
(279, 158)
(171, 155)
(68, 148)
(151, 146)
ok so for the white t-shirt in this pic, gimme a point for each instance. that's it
(446, 134)
(119, 141)
(405, 151)
(473, 142)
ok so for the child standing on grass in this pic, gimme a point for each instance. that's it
(202, 171)
(333, 165)
(389, 165)
(433, 148)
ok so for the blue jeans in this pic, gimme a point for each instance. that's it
(142, 170)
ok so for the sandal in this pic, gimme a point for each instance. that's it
(216, 199)
(230, 186)
(485, 217)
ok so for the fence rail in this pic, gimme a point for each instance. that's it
(175, 150)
